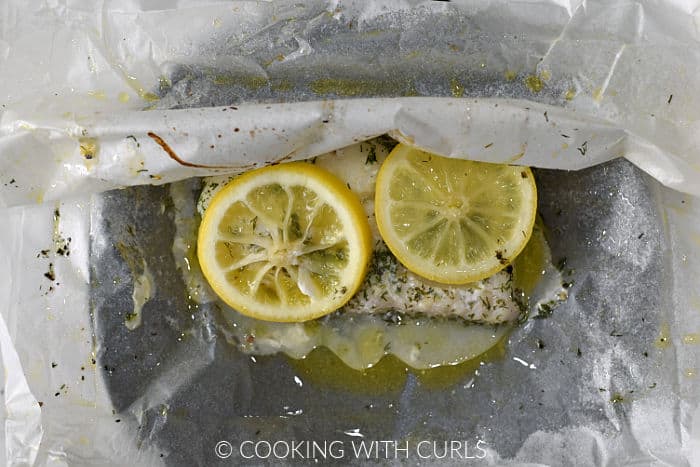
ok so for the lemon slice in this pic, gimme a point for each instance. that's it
(285, 243)
(451, 220)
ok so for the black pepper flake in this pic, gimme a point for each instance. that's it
(118, 420)
(63, 251)
(54, 364)
(41, 404)
(670, 98)
(616, 334)
(488, 145)
(236, 130)
(578, 352)
(583, 149)
(57, 394)
(501, 259)
(50, 274)
(640, 235)
(540, 344)
(645, 353)
(546, 117)
(82, 377)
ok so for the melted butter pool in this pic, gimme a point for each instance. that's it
(323, 368)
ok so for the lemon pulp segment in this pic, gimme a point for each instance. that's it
(451, 220)
(285, 243)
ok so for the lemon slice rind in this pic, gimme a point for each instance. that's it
(453, 221)
(291, 267)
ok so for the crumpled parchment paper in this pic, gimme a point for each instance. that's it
(99, 96)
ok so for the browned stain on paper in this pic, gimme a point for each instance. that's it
(284, 158)
(168, 150)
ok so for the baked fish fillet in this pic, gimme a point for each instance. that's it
(389, 289)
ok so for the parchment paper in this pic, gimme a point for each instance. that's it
(93, 94)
